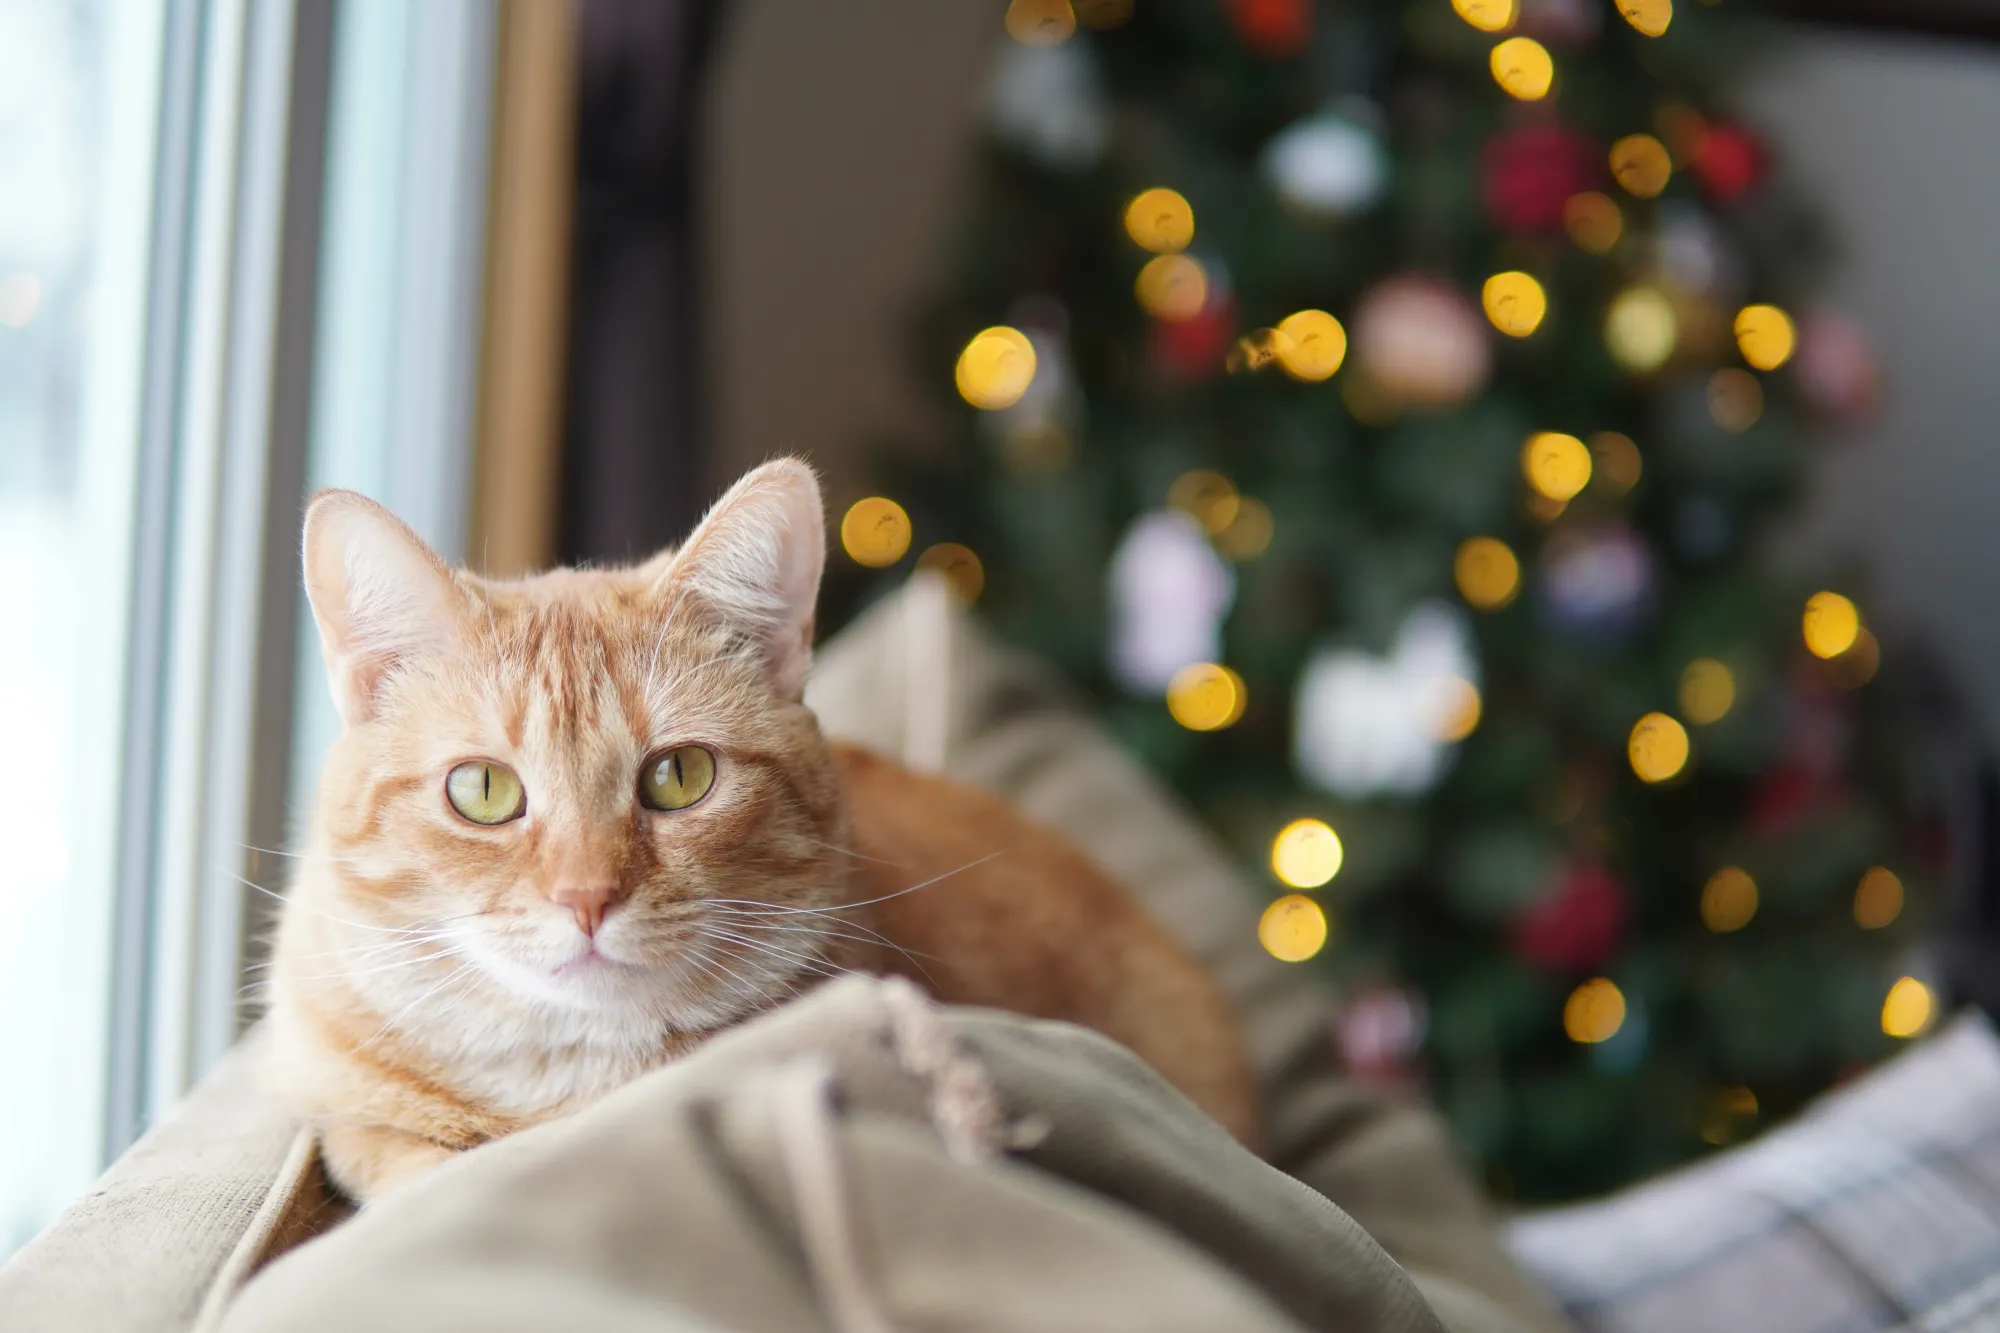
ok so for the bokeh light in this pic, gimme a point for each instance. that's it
(1858, 665)
(1306, 854)
(1731, 1112)
(996, 368)
(1594, 221)
(961, 567)
(1459, 717)
(1172, 288)
(1160, 220)
(1206, 696)
(1293, 928)
(1556, 465)
(1658, 747)
(1311, 344)
(1615, 462)
(1209, 496)
(1487, 574)
(20, 297)
(875, 532)
(1249, 533)
(1735, 399)
(1708, 691)
(1522, 67)
(1102, 14)
(1641, 329)
(1728, 900)
(1651, 17)
(1765, 336)
(1830, 624)
(1878, 899)
(1486, 15)
(1641, 165)
(1594, 1011)
(1040, 22)
(1515, 303)
(1907, 1010)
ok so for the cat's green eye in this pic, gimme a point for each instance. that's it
(675, 779)
(485, 792)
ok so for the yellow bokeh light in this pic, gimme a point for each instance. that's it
(1651, 17)
(1522, 67)
(1486, 572)
(1255, 350)
(1306, 854)
(1730, 1112)
(996, 368)
(875, 532)
(1249, 532)
(1735, 399)
(1311, 344)
(1206, 696)
(1486, 15)
(1708, 691)
(1641, 329)
(1878, 899)
(1209, 496)
(1907, 1010)
(1728, 900)
(1642, 165)
(1103, 14)
(960, 566)
(1172, 288)
(1858, 665)
(1831, 624)
(1040, 22)
(1160, 220)
(1615, 462)
(1515, 303)
(1556, 465)
(1459, 717)
(1293, 928)
(1594, 1011)
(1593, 221)
(1658, 747)
(1765, 336)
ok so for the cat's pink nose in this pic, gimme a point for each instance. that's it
(589, 903)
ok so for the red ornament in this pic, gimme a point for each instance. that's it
(1728, 161)
(1272, 27)
(1194, 349)
(1577, 924)
(1527, 175)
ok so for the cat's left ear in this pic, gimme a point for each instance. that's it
(756, 559)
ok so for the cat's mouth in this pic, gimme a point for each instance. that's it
(590, 962)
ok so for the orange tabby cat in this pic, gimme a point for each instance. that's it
(576, 824)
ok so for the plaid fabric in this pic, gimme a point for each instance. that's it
(1878, 1210)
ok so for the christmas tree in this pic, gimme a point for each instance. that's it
(1379, 407)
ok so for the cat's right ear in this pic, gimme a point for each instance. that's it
(379, 596)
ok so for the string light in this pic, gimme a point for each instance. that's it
(1040, 22)
(1293, 928)
(1255, 350)
(1172, 288)
(1311, 345)
(1658, 747)
(1729, 1113)
(1735, 399)
(1486, 15)
(1594, 1012)
(1878, 899)
(1306, 854)
(1523, 69)
(1907, 1010)
(1160, 220)
(1249, 533)
(1487, 574)
(875, 532)
(1641, 329)
(1209, 496)
(1593, 221)
(1858, 665)
(1205, 696)
(1708, 691)
(1459, 717)
(996, 368)
(1649, 16)
(1641, 165)
(963, 572)
(1765, 336)
(1556, 465)
(1515, 303)
(1681, 128)
(1830, 624)
(1728, 900)
(1615, 462)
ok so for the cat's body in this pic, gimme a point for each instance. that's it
(577, 824)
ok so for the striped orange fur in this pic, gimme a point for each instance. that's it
(437, 982)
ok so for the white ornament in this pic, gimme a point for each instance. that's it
(1045, 100)
(1327, 165)
(1169, 594)
(1373, 725)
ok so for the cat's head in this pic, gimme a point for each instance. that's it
(593, 790)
